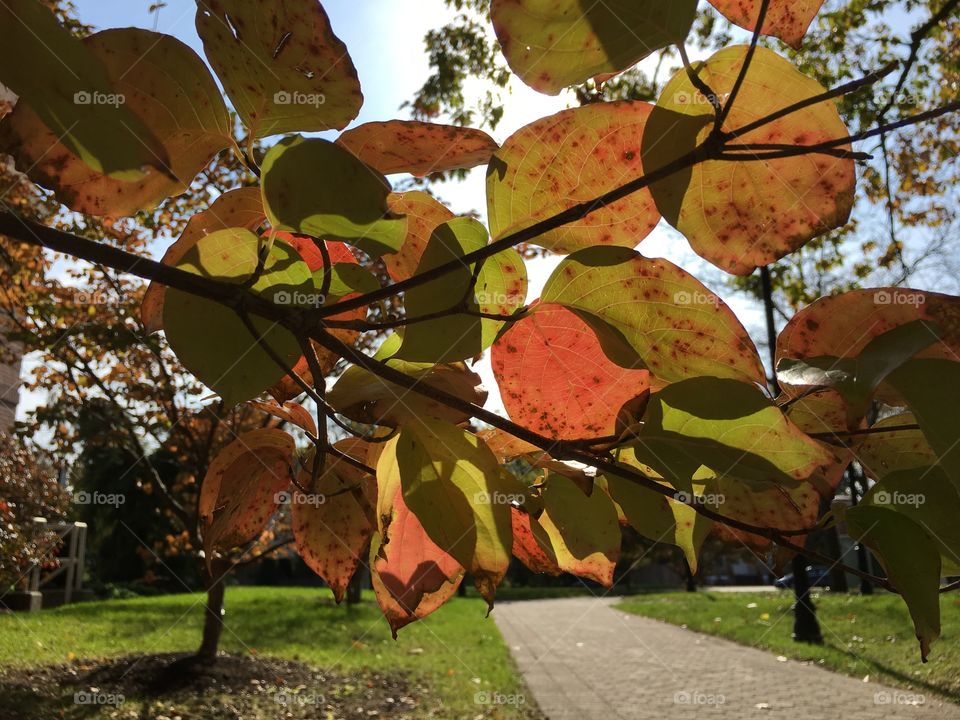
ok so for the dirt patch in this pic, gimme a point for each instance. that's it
(173, 687)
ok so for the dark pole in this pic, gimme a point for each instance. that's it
(853, 475)
(805, 625)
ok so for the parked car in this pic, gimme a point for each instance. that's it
(819, 577)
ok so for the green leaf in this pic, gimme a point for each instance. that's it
(926, 496)
(653, 310)
(280, 63)
(500, 290)
(240, 208)
(68, 89)
(743, 214)
(552, 44)
(317, 188)
(453, 484)
(931, 388)
(566, 159)
(210, 339)
(729, 427)
(911, 560)
(419, 148)
(178, 116)
(584, 531)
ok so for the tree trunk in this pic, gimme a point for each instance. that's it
(805, 626)
(691, 581)
(213, 616)
(355, 587)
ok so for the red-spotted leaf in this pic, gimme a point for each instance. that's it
(281, 64)
(552, 44)
(584, 532)
(843, 325)
(240, 490)
(555, 380)
(418, 148)
(785, 19)
(240, 208)
(741, 214)
(396, 615)
(566, 159)
(423, 214)
(655, 311)
(532, 545)
(166, 86)
(330, 524)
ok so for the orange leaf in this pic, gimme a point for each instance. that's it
(555, 380)
(785, 19)
(418, 148)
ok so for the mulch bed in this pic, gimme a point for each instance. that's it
(173, 687)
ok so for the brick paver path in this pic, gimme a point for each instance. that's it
(584, 660)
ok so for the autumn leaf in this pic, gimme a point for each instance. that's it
(419, 148)
(555, 380)
(552, 44)
(785, 19)
(170, 93)
(281, 64)
(570, 158)
(652, 311)
(240, 490)
(742, 211)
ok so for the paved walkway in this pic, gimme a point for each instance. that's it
(583, 660)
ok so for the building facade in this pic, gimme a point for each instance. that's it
(9, 386)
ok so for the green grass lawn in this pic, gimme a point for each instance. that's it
(456, 652)
(863, 635)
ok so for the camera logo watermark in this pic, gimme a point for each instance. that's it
(698, 98)
(299, 299)
(299, 498)
(94, 696)
(885, 497)
(687, 498)
(488, 697)
(286, 698)
(695, 697)
(898, 297)
(298, 98)
(99, 498)
(90, 297)
(695, 298)
(895, 697)
(485, 497)
(99, 98)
